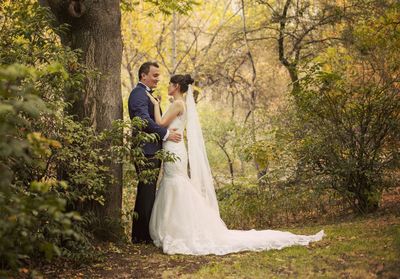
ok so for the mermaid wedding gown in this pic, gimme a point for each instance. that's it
(183, 222)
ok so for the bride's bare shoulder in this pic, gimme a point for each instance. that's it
(180, 106)
(179, 103)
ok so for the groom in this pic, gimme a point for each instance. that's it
(140, 105)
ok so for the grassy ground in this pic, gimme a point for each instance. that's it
(363, 248)
(356, 247)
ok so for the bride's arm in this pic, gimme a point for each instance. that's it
(174, 110)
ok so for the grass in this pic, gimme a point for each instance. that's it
(364, 248)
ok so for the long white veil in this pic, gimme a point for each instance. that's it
(200, 173)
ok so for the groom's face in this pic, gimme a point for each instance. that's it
(152, 78)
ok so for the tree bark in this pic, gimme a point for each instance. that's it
(253, 93)
(230, 163)
(95, 29)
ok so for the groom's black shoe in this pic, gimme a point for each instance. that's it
(142, 241)
(137, 241)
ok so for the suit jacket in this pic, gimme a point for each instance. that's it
(139, 105)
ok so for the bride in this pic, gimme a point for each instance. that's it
(185, 217)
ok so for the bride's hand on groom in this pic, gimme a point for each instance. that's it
(153, 100)
(174, 135)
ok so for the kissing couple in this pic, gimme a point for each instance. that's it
(182, 217)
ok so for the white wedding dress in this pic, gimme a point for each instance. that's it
(183, 222)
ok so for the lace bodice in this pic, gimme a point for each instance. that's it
(178, 149)
(179, 122)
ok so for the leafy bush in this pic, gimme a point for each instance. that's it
(35, 207)
(249, 206)
(348, 112)
(33, 218)
(341, 130)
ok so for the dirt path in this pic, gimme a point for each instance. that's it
(132, 261)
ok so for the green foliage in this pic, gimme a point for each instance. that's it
(341, 129)
(38, 142)
(130, 151)
(352, 135)
(274, 148)
(245, 205)
(164, 6)
(222, 143)
(348, 113)
(80, 163)
(33, 218)
(28, 38)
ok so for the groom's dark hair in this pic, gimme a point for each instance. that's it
(145, 68)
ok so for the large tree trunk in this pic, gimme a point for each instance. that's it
(95, 29)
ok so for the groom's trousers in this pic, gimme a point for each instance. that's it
(146, 194)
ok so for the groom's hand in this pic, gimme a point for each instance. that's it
(174, 136)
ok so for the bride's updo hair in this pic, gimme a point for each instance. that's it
(183, 81)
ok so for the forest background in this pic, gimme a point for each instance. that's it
(299, 103)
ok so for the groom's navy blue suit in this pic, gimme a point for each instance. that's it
(140, 105)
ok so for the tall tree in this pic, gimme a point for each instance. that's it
(94, 28)
(300, 29)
